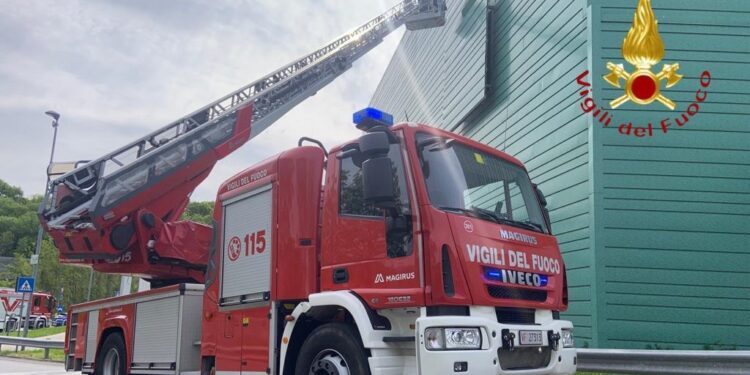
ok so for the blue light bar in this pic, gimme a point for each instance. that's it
(371, 117)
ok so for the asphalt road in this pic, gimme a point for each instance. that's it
(16, 366)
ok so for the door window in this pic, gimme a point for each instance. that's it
(398, 219)
(351, 201)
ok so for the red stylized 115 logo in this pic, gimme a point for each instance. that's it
(254, 243)
(9, 307)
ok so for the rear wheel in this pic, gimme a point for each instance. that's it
(332, 349)
(111, 358)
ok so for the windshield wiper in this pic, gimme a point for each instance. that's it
(533, 224)
(502, 220)
(479, 214)
(486, 214)
(461, 211)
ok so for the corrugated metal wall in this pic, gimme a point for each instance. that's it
(437, 76)
(536, 49)
(656, 230)
(531, 113)
(673, 213)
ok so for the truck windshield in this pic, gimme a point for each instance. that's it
(463, 179)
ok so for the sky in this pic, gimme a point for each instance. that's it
(117, 70)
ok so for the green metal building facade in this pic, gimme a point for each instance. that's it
(655, 230)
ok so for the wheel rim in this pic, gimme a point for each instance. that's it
(329, 362)
(112, 362)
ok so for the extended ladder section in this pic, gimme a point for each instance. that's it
(158, 172)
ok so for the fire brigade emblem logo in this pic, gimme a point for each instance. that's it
(468, 226)
(643, 48)
(234, 248)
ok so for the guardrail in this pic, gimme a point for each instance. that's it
(34, 343)
(619, 361)
(668, 362)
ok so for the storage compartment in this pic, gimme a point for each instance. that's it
(249, 245)
(167, 333)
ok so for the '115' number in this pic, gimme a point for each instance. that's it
(255, 242)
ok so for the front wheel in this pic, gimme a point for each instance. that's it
(111, 358)
(11, 325)
(332, 349)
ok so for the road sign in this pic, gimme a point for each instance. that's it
(34, 259)
(24, 284)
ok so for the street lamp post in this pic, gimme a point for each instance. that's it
(40, 234)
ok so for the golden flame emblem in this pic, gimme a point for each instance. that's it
(643, 48)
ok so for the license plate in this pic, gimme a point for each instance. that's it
(530, 337)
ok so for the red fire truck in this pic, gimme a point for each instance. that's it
(13, 308)
(409, 250)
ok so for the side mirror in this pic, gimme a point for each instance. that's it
(543, 202)
(540, 195)
(377, 182)
(374, 144)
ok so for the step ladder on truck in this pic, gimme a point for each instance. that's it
(409, 250)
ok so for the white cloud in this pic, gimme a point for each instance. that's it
(117, 70)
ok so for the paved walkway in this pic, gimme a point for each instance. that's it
(56, 337)
(18, 366)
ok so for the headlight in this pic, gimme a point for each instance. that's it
(462, 338)
(567, 339)
(452, 338)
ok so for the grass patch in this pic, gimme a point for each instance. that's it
(56, 355)
(39, 332)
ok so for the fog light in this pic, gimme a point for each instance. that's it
(452, 338)
(434, 339)
(460, 366)
(568, 340)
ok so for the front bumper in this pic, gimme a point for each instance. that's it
(494, 357)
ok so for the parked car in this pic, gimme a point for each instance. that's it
(60, 320)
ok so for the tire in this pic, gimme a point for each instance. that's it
(112, 357)
(40, 323)
(332, 349)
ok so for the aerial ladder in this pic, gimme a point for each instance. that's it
(121, 212)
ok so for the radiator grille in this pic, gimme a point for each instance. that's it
(510, 315)
(517, 293)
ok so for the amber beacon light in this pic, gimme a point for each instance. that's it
(643, 48)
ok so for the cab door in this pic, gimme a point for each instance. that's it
(369, 250)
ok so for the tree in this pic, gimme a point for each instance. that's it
(200, 212)
(12, 192)
(18, 220)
